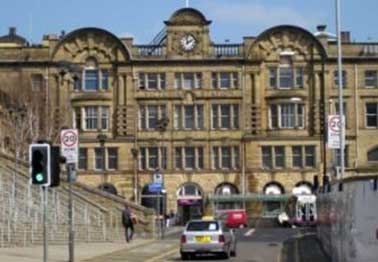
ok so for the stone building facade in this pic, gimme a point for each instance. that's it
(211, 118)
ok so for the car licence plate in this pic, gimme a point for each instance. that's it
(203, 239)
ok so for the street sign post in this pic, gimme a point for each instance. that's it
(70, 150)
(69, 139)
(334, 129)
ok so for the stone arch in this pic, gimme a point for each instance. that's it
(286, 37)
(91, 41)
(109, 188)
(273, 188)
(303, 187)
(226, 188)
(188, 188)
(187, 16)
(372, 154)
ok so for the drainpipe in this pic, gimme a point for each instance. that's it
(356, 112)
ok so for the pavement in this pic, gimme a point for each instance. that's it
(137, 250)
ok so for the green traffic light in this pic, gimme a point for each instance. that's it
(39, 177)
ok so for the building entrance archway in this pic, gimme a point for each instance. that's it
(189, 202)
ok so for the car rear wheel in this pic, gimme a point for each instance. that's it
(185, 256)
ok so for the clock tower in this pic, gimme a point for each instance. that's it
(188, 35)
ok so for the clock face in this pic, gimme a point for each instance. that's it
(188, 42)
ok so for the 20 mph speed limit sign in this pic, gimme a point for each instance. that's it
(69, 139)
(334, 129)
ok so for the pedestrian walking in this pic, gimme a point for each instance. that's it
(128, 223)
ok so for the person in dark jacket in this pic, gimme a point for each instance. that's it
(127, 223)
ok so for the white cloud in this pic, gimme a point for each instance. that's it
(258, 14)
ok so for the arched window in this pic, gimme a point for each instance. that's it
(226, 189)
(373, 154)
(189, 189)
(109, 188)
(273, 188)
(303, 188)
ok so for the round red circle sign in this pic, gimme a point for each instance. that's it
(69, 138)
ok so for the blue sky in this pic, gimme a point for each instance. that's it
(142, 19)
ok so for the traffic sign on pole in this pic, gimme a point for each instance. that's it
(334, 128)
(69, 139)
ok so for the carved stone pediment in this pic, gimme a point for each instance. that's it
(81, 44)
(269, 45)
(188, 16)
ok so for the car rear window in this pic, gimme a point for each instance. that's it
(203, 226)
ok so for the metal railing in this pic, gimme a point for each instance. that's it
(150, 50)
(227, 50)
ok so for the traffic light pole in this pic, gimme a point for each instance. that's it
(45, 240)
(71, 249)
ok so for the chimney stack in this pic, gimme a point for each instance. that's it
(321, 28)
(345, 37)
(12, 30)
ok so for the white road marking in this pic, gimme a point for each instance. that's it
(250, 232)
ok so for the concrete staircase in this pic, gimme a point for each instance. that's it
(97, 215)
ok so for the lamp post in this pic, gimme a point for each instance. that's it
(135, 152)
(101, 139)
(340, 83)
(66, 67)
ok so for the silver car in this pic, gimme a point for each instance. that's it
(207, 236)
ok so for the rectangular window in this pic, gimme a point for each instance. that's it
(188, 80)
(151, 81)
(91, 79)
(37, 82)
(297, 156)
(273, 77)
(225, 157)
(286, 116)
(77, 115)
(99, 159)
(279, 153)
(225, 80)
(310, 159)
(112, 158)
(83, 159)
(200, 160)
(152, 158)
(189, 158)
(225, 116)
(371, 114)
(215, 157)
(286, 77)
(178, 158)
(104, 117)
(104, 79)
(149, 115)
(188, 117)
(267, 158)
(336, 78)
(371, 79)
(91, 118)
(299, 77)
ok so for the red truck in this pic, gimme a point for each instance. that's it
(234, 218)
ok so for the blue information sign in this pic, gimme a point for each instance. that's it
(155, 187)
